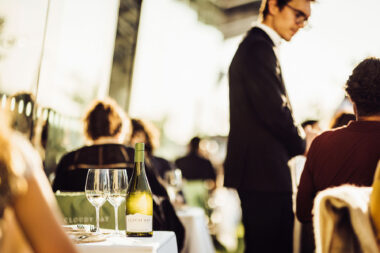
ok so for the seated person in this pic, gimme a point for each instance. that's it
(143, 131)
(29, 216)
(199, 174)
(164, 215)
(342, 119)
(194, 166)
(303, 233)
(347, 218)
(22, 120)
(105, 128)
(348, 154)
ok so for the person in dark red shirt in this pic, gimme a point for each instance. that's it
(349, 154)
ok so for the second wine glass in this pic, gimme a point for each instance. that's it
(174, 183)
(118, 191)
(97, 189)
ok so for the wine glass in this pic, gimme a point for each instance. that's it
(118, 191)
(174, 181)
(97, 189)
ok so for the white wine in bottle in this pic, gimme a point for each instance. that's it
(139, 202)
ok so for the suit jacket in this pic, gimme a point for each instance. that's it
(262, 135)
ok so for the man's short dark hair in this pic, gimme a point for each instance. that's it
(264, 9)
(363, 87)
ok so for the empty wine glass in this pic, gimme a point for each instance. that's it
(97, 189)
(174, 183)
(118, 191)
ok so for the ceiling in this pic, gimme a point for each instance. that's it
(231, 17)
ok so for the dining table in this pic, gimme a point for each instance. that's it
(160, 242)
(197, 235)
(77, 210)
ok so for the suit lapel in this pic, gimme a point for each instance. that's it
(257, 32)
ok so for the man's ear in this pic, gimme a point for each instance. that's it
(354, 107)
(272, 7)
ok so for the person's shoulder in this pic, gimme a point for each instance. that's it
(130, 151)
(202, 158)
(71, 154)
(327, 135)
(256, 45)
(258, 37)
(181, 159)
(127, 148)
(331, 133)
(323, 136)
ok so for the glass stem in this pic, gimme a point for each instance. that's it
(116, 219)
(97, 219)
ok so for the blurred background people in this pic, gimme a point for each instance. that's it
(30, 220)
(347, 154)
(194, 165)
(312, 123)
(341, 119)
(21, 106)
(296, 165)
(145, 132)
(199, 175)
(105, 128)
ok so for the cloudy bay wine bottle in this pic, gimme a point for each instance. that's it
(139, 202)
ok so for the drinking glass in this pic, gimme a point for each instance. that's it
(97, 189)
(174, 183)
(118, 191)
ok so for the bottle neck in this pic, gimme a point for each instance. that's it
(139, 168)
(139, 156)
(139, 162)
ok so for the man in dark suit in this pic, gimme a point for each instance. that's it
(262, 135)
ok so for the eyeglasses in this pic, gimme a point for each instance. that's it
(301, 17)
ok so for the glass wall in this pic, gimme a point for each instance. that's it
(56, 57)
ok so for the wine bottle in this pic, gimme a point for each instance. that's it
(139, 202)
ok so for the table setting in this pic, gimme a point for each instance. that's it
(108, 186)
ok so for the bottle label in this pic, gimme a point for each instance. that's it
(139, 223)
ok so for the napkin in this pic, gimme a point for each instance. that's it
(88, 237)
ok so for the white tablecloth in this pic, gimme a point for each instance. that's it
(197, 237)
(161, 242)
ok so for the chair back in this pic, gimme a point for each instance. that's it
(76, 209)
